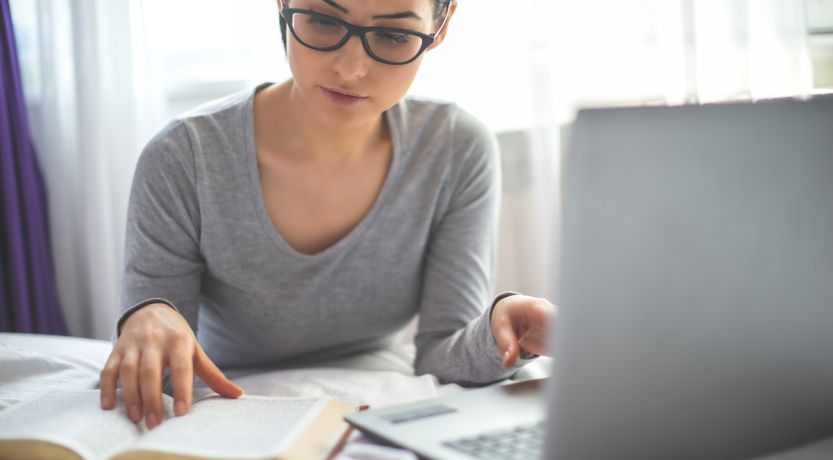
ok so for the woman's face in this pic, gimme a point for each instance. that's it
(326, 80)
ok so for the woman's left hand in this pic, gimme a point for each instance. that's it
(520, 321)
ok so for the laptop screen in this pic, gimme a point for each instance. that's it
(696, 282)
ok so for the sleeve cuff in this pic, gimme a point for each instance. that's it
(137, 306)
(498, 298)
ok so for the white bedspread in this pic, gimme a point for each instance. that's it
(27, 373)
(33, 364)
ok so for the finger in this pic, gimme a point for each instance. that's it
(107, 381)
(534, 341)
(213, 376)
(532, 323)
(182, 379)
(129, 377)
(150, 386)
(507, 342)
(541, 314)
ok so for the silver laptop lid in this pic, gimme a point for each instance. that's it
(696, 301)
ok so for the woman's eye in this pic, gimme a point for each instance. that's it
(323, 22)
(393, 37)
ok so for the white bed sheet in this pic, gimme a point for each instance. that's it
(32, 364)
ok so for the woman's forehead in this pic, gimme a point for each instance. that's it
(421, 8)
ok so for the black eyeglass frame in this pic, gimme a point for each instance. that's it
(361, 32)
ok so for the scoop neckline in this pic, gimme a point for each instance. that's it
(260, 203)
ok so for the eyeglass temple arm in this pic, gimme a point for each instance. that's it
(445, 19)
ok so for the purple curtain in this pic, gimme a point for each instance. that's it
(27, 288)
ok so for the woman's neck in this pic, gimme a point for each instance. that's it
(288, 126)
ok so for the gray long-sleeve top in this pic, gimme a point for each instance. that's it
(199, 237)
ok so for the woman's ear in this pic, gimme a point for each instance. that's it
(452, 7)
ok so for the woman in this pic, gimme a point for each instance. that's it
(315, 218)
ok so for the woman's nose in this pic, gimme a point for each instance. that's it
(351, 61)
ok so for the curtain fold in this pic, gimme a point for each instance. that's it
(27, 287)
(90, 111)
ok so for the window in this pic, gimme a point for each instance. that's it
(198, 51)
(820, 39)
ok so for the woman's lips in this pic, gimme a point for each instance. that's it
(342, 98)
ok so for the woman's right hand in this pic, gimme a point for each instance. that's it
(152, 338)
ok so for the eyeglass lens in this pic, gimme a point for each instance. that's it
(318, 31)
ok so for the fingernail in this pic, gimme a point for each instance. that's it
(180, 408)
(105, 401)
(134, 413)
(150, 420)
(506, 355)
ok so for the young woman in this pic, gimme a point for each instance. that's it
(314, 218)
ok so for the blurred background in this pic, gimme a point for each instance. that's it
(100, 77)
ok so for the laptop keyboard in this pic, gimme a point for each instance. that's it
(521, 442)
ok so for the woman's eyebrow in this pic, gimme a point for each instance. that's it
(402, 15)
(336, 6)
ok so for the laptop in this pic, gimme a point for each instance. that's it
(696, 297)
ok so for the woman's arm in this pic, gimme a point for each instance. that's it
(162, 262)
(160, 287)
(455, 340)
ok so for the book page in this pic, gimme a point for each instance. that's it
(247, 427)
(73, 419)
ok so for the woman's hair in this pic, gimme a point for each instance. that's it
(439, 5)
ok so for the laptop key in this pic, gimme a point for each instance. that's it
(521, 442)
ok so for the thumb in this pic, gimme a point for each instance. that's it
(213, 376)
(507, 343)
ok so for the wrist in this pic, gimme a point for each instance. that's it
(145, 305)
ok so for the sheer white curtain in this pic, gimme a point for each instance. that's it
(103, 75)
(90, 114)
(527, 66)
(676, 51)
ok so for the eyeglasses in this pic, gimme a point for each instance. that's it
(387, 45)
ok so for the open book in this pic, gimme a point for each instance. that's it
(71, 425)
